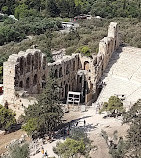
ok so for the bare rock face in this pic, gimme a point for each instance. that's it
(25, 73)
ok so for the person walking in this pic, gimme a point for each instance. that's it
(68, 131)
(77, 123)
(42, 151)
(84, 123)
(46, 155)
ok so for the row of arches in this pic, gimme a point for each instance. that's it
(58, 73)
(28, 82)
(31, 62)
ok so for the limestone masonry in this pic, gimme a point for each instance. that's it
(25, 73)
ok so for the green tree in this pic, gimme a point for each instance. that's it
(43, 117)
(51, 8)
(22, 11)
(133, 118)
(114, 105)
(76, 144)
(19, 151)
(117, 146)
(69, 148)
(5, 9)
(85, 50)
(7, 118)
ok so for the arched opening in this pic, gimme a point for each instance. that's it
(36, 61)
(21, 65)
(86, 65)
(67, 69)
(60, 72)
(43, 81)
(73, 65)
(66, 91)
(28, 63)
(56, 73)
(78, 62)
(21, 84)
(27, 82)
(29, 59)
(115, 45)
(44, 62)
(35, 80)
(69, 87)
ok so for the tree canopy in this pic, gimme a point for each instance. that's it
(133, 118)
(76, 144)
(114, 105)
(70, 8)
(43, 117)
(7, 118)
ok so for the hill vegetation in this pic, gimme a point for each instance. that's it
(70, 8)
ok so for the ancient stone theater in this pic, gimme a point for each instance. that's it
(25, 73)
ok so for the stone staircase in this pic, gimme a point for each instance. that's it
(123, 75)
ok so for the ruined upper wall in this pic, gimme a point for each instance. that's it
(28, 71)
(106, 48)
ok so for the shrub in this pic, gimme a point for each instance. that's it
(19, 151)
(114, 105)
(7, 118)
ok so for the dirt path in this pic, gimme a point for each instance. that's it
(94, 124)
(6, 139)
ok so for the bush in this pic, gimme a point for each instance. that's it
(70, 50)
(7, 118)
(19, 151)
(27, 26)
(84, 50)
(77, 144)
(114, 106)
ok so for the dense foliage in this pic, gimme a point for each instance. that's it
(117, 146)
(76, 145)
(117, 8)
(70, 8)
(18, 30)
(43, 117)
(114, 105)
(18, 151)
(133, 118)
(7, 118)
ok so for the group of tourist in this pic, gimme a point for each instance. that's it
(64, 132)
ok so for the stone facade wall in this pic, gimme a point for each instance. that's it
(28, 71)
(96, 64)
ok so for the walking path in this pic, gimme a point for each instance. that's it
(94, 124)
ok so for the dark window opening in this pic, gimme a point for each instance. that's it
(27, 82)
(35, 80)
(21, 84)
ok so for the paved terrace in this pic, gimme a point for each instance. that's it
(123, 75)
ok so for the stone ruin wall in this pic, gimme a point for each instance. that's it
(98, 63)
(27, 71)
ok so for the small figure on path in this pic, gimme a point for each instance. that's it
(69, 125)
(68, 132)
(46, 155)
(77, 123)
(84, 123)
(42, 151)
